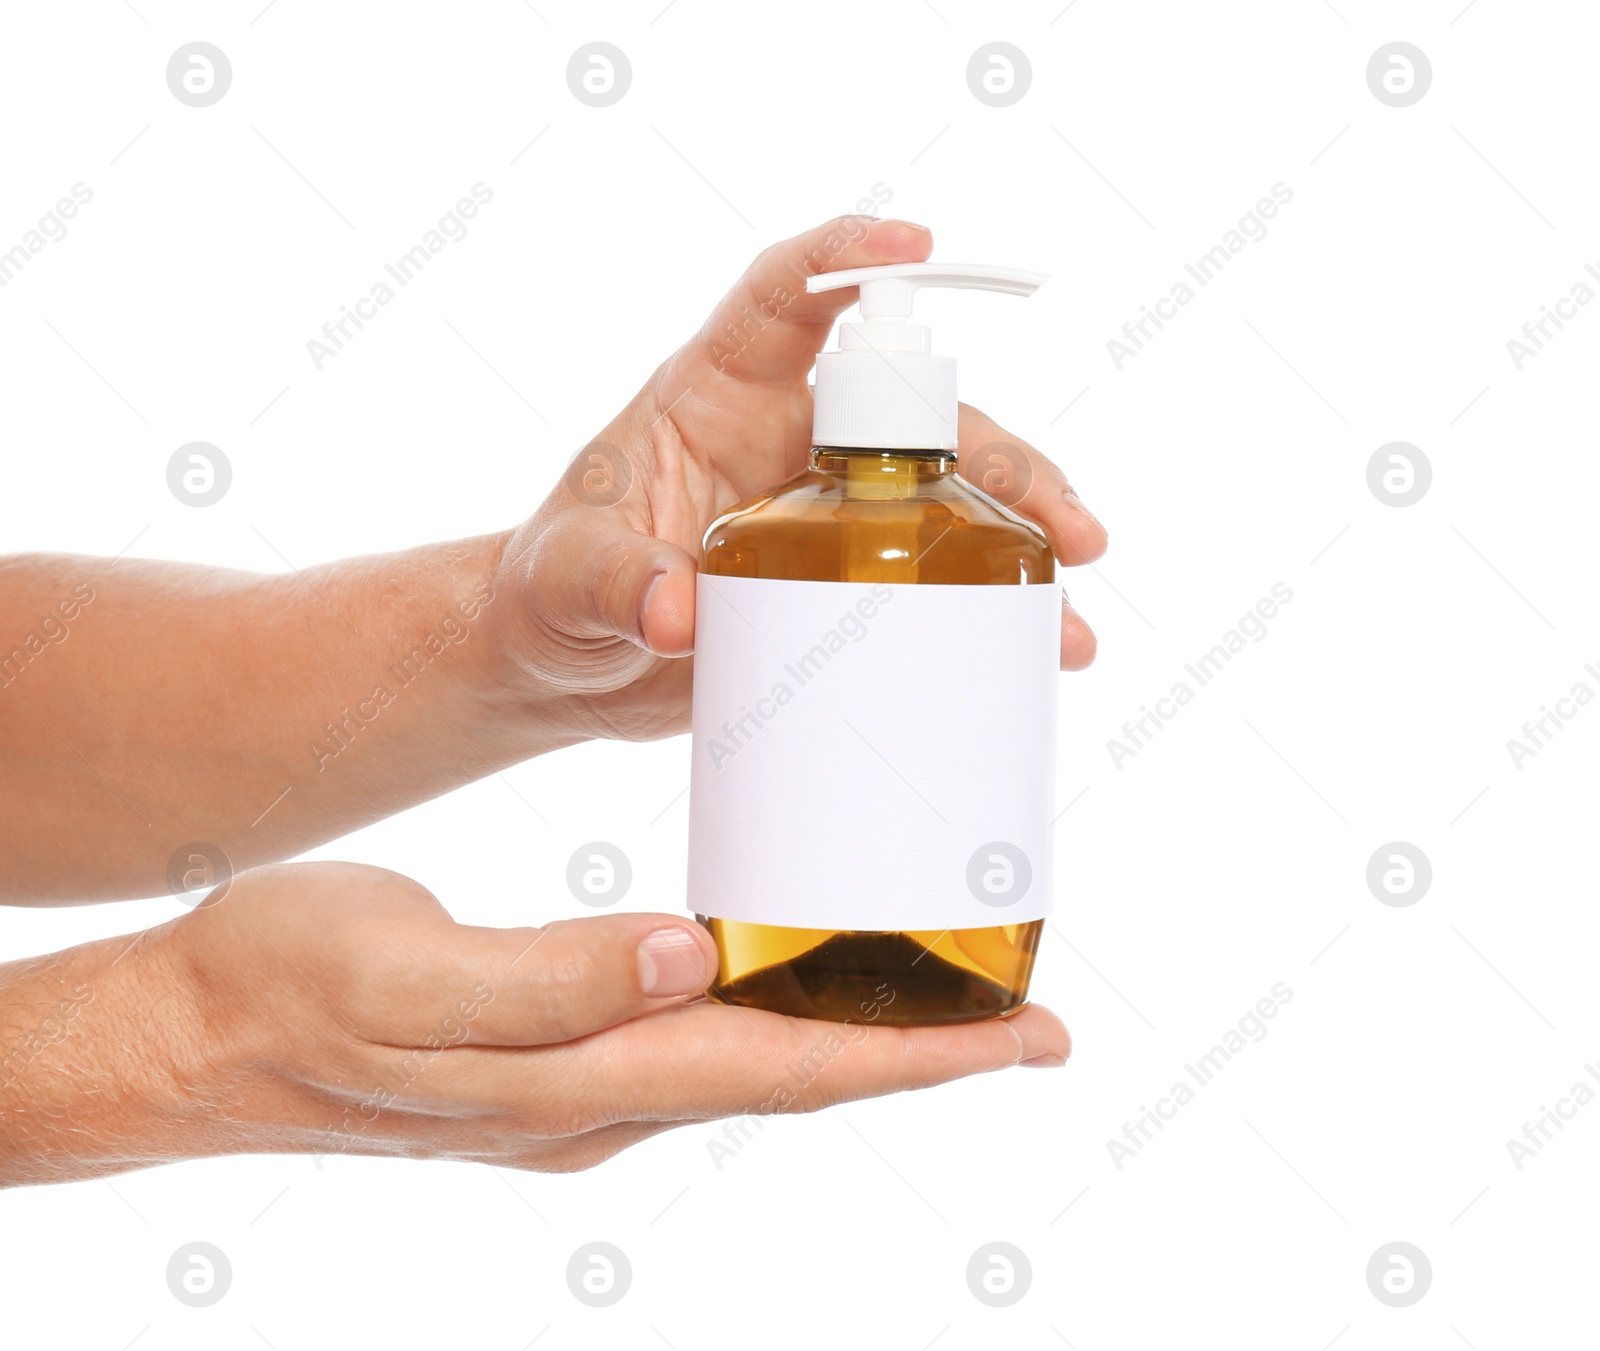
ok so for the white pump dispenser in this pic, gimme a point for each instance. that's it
(883, 389)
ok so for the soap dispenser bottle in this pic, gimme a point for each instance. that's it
(874, 713)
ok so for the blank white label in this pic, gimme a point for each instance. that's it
(873, 755)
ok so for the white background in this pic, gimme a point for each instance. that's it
(1231, 454)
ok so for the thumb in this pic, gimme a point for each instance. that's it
(537, 987)
(597, 576)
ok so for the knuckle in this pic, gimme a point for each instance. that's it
(607, 585)
(370, 887)
(563, 989)
(579, 1157)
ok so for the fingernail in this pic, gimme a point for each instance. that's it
(909, 224)
(671, 961)
(644, 602)
(1043, 1062)
(1076, 503)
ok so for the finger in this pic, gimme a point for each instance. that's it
(537, 987)
(709, 1060)
(1031, 484)
(574, 1153)
(769, 329)
(1078, 643)
(442, 1117)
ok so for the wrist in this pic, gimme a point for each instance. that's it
(106, 1065)
(251, 1064)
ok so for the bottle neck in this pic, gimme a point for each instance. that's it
(865, 465)
(885, 474)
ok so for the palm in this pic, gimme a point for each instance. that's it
(721, 447)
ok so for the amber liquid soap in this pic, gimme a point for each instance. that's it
(869, 515)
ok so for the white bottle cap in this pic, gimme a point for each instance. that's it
(883, 389)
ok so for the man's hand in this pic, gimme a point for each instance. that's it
(602, 578)
(327, 1008)
(147, 707)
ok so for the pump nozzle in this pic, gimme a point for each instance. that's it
(882, 388)
(886, 291)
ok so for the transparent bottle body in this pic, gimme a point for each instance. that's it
(876, 516)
